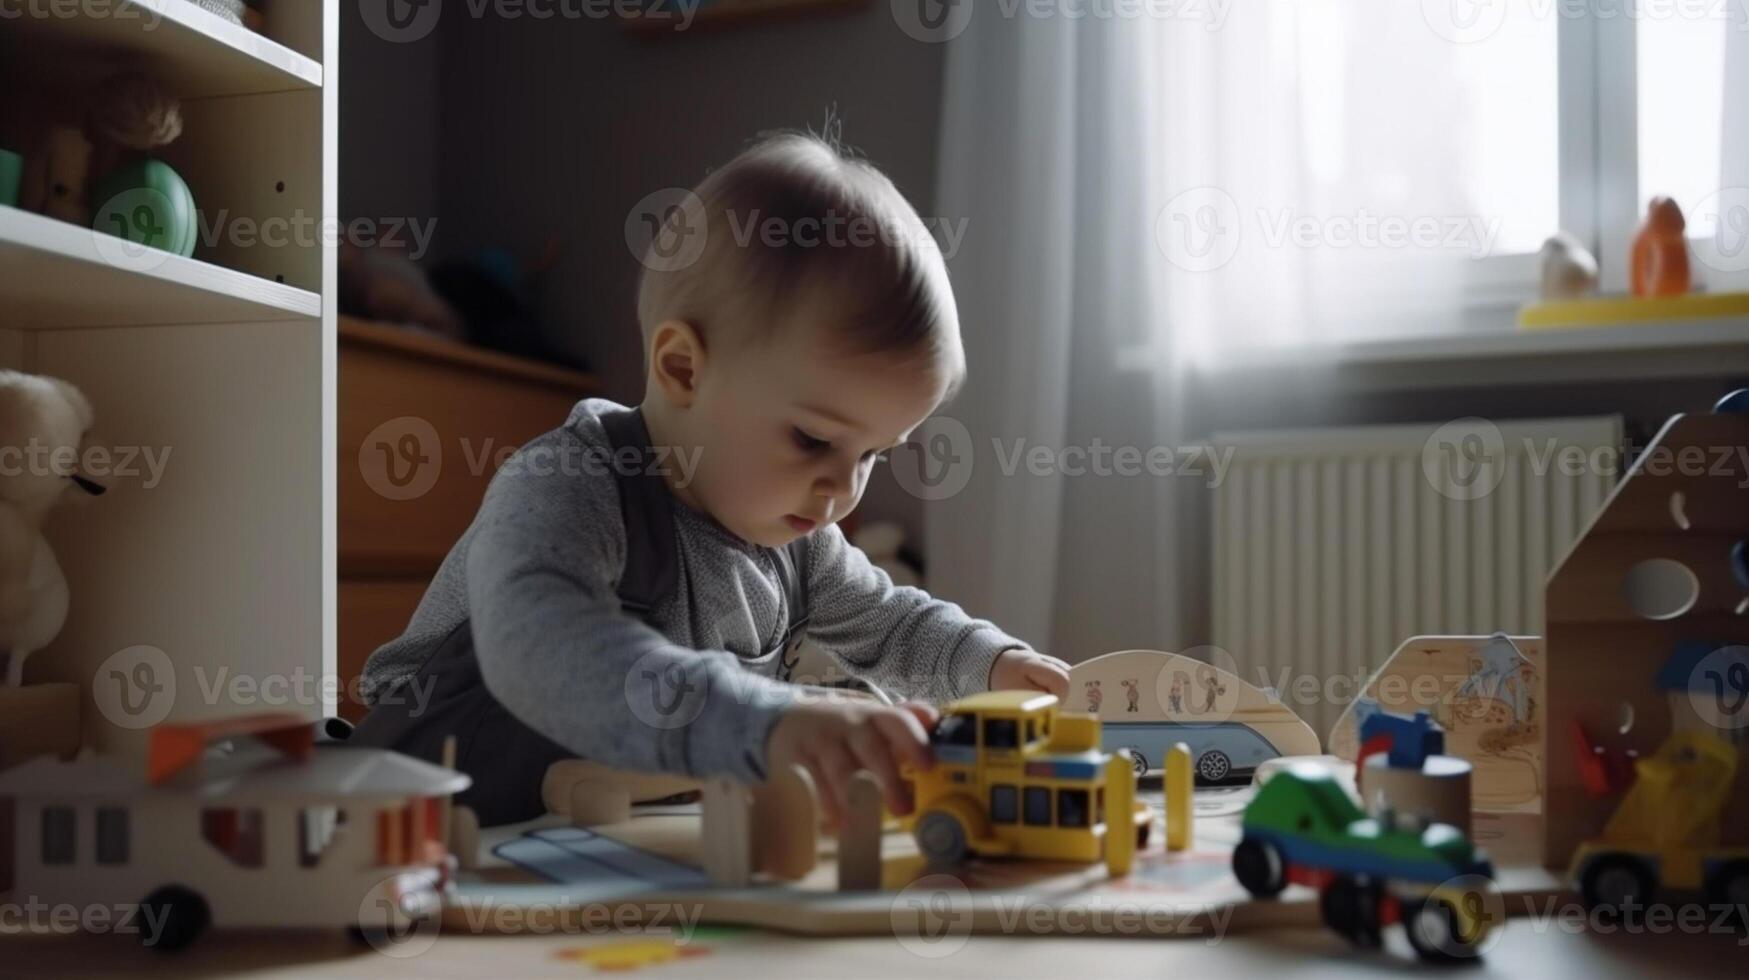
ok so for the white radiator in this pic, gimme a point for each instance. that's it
(1332, 546)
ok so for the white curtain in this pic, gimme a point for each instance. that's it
(1050, 154)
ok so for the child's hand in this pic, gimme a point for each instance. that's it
(835, 739)
(1029, 670)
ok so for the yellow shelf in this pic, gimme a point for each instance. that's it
(1623, 310)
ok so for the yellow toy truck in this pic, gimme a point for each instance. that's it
(1666, 833)
(1016, 777)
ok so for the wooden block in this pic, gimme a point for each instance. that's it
(593, 795)
(859, 842)
(1438, 792)
(786, 825)
(727, 844)
(464, 837)
(596, 804)
(38, 719)
(1180, 796)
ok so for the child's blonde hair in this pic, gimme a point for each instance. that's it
(795, 224)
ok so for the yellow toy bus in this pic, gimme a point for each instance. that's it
(1016, 777)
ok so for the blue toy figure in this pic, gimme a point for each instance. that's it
(1407, 741)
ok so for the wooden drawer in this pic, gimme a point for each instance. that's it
(423, 425)
(372, 612)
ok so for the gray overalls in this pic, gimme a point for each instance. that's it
(506, 758)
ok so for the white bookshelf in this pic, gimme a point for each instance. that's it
(225, 360)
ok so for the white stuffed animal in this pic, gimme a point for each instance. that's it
(43, 423)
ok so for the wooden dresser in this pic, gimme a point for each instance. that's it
(424, 423)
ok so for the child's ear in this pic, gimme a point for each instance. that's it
(677, 361)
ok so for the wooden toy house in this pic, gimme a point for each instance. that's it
(1650, 583)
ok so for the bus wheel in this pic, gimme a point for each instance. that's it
(1258, 866)
(1139, 763)
(1730, 887)
(1213, 766)
(941, 838)
(172, 917)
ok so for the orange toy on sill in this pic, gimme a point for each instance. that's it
(1660, 254)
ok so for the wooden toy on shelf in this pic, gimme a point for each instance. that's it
(1014, 776)
(1302, 828)
(1650, 577)
(1147, 701)
(284, 833)
(1659, 263)
(1482, 691)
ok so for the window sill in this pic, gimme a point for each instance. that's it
(1630, 352)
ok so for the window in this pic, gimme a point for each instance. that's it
(316, 827)
(1099, 805)
(1001, 733)
(1038, 806)
(1338, 170)
(112, 835)
(956, 730)
(1004, 805)
(59, 837)
(1071, 808)
(236, 833)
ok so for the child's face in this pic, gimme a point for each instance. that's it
(790, 431)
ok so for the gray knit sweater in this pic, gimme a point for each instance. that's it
(535, 579)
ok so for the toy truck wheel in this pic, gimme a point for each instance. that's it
(1138, 762)
(1350, 908)
(1434, 932)
(1617, 882)
(1258, 866)
(941, 838)
(1214, 766)
(1729, 886)
(173, 917)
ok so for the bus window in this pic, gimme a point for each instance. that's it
(1099, 805)
(1071, 808)
(1001, 733)
(956, 730)
(1004, 804)
(112, 835)
(1031, 731)
(1038, 806)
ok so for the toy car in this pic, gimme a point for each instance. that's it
(1302, 828)
(1016, 777)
